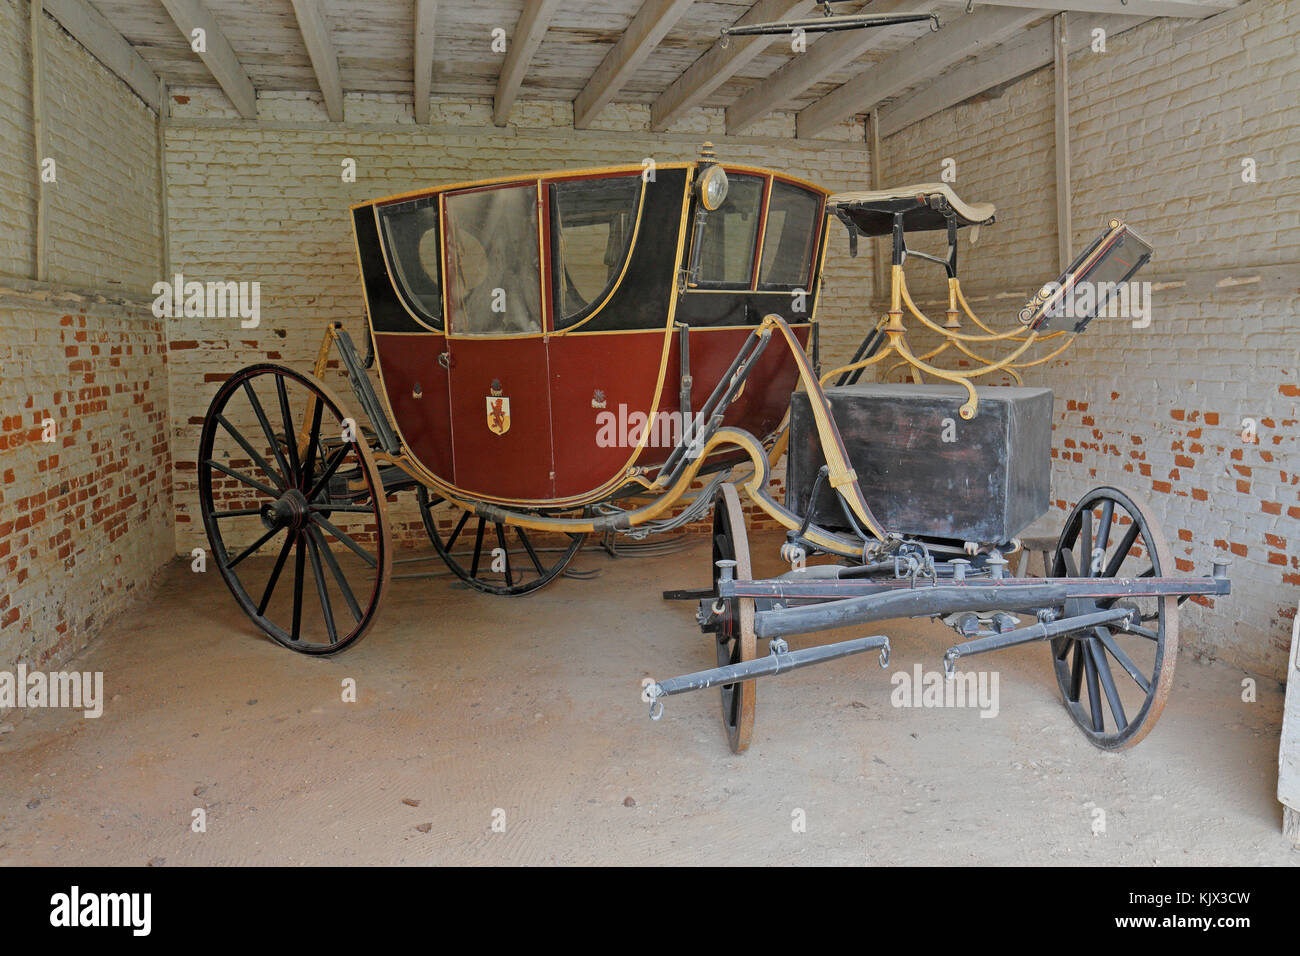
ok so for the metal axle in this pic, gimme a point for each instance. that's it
(1035, 632)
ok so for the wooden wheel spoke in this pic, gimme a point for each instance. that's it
(290, 441)
(253, 547)
(275, 574)
(1103, 526)
(321, 590)
(347, 540)
(331, 466)
(241, 477)
(478, 547)
(1108, 684)
(299, 572)
(460, 525)
(528, 546)
(237, 513)
(339, 577)
(267, 431)
(1067, 645)
(1066, 557)
(313, 441)
(1121, 550)
(253, 453)
(1123, 660)
(1094, 691)
(505, 554)
(1076, 672)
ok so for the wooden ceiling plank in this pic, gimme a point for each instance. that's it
(324, 60)
(1032, 51)
(927, 57)
(823, 58)
(718, 64)
(218, 55)
(1137, 8)
(426, 14)
(89, 27)
(651, 23)
(528, 37)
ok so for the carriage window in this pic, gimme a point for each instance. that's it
(411, 238)
(591, 222)
(493, 267)
(788, 238)
(727, 246)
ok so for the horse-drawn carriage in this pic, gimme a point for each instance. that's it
(615, 351)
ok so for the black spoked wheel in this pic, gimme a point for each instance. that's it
(735, 627)
(1115, 681)
(490, 556)
(293, 507)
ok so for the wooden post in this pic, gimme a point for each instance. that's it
(1064, 226)
(878, 245)
(164, 246)
(38, 137)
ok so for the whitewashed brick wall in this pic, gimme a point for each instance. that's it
(85, 520)
(1159, 126)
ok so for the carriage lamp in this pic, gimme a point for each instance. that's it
(713, 187)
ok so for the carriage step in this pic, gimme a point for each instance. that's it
(780, 660)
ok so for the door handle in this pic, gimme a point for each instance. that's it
(444, 359)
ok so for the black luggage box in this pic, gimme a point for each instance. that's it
(986, 484)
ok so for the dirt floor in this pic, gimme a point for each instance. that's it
(470, 705)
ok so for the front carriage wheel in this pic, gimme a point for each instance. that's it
(285, 474)
(487, 559)
(1113, 534)
(735, 626)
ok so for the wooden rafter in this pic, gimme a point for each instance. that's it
(324, 60)
(218, 55)
(88, 26)
(1193, 9)
(426, 14)
(926, 57)
(528, 37)
(720, 63)
(651, 23)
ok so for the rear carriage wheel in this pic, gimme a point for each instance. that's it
(493, 557)
(294, 510)
(1114, 681)
(735, 625)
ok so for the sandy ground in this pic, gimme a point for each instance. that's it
(472, 705)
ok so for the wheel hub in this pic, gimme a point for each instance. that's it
(288, 511)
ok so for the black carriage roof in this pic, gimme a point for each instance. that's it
(924, 207)
(581, 174)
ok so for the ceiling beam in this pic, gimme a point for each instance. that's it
(1193, 9)
(1033, 50)
(933, 53)
(833, 52)
(426, 13)
(528, 37)
(720, 63)
(324, 60)
(651, 23)
(101, 39)
(218, 55)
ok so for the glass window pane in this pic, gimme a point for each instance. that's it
(789, 237)
(592, 221)
(493, 268)
(411, 238)
(730, 233)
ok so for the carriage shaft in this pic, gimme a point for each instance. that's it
(774, 663)
(1036, 632)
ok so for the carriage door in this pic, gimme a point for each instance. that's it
(496, 349)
